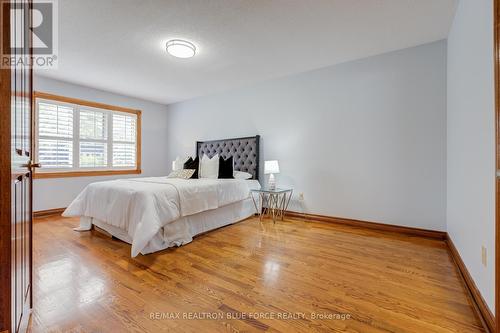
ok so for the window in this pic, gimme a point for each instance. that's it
(80, 138)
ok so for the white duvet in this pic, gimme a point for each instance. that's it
(142, 206)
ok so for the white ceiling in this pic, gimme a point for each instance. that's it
(119, 45)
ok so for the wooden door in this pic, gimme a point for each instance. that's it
(16, 170)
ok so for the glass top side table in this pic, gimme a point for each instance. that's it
(272, 202)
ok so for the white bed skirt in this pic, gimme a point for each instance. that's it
(183, 230)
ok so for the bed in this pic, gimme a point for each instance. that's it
(155, 213)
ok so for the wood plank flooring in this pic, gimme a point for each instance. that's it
(292, 276)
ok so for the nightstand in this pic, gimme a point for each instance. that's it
(272, 202)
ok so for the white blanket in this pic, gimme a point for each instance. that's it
(142, 206)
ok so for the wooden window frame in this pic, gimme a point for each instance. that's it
(90, 173)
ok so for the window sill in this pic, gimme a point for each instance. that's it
(70, 174)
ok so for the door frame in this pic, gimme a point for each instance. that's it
(496, 57)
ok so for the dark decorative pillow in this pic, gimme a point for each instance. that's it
(193, 164)
(225, 168)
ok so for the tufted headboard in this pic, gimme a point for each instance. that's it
(245, 152)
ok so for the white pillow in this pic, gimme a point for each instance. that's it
(241, 175)
(209, 167)
(178, 164)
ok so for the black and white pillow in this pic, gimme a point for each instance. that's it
(225, 168)
(193, 164)
(182, 174)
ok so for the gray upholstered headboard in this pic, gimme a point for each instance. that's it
(245, 152)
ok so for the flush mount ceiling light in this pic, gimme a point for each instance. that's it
(181, 48)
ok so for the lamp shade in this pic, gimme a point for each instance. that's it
(271, 167)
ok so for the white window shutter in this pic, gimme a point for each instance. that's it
(124, 140)
(55, 132)
(93, 147)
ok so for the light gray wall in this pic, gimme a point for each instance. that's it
(471, 141)
(58, 193)
(363, 140)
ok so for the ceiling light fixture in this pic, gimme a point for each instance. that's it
(181, 48)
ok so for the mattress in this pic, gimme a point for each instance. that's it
(141, 207)
(183, 230)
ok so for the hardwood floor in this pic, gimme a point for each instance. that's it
(251, 276)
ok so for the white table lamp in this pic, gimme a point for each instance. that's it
(270, 168)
